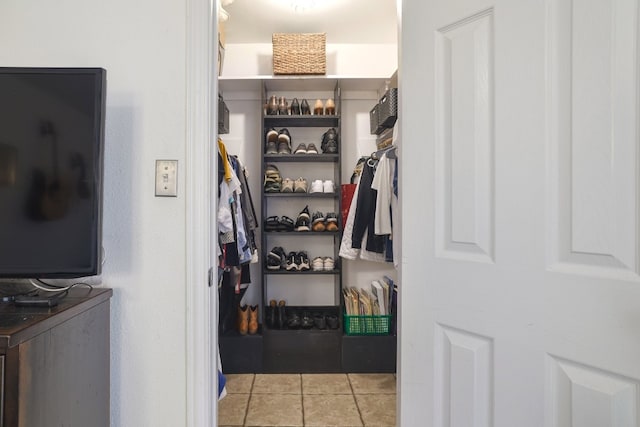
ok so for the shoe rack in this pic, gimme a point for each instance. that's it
(289, 346)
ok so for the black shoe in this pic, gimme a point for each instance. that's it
(304, 220)
(307, 321)
(304, 108)
(281, 318)
(276, 258)
(271, 314)
(332, 321)
(320, 321)
(302, 261)
(295, 107)
(293, 320)
(292, 262)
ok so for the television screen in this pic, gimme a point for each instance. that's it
(51, 155)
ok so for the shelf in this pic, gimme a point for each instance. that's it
(295, 273)
(307, 195)
(301, 121)
(302, 158)
(303, 233)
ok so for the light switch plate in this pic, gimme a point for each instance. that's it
(166, 178)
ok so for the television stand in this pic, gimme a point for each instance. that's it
(54, 361)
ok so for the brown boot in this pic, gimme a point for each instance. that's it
(243, 319)
(253, 319)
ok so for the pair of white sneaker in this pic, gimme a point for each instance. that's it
(319, 186)
(320, 263)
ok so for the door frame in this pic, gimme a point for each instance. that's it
(201, 310)
(201, 299)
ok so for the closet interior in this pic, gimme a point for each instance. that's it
(307, 205)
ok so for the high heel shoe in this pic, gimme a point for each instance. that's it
(295, 107)
(282, 106)
(330, 107)
(272, 106)
(304, 107)
(318, 108)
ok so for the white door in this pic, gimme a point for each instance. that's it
(520, 301)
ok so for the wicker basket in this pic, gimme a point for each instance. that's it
(299, 53)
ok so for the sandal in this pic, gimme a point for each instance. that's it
(285, 224)
(271, 223)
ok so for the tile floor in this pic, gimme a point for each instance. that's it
(322, 400)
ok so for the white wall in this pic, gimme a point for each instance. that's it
(361, 60)
(141, 44)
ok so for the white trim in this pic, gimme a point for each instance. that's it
(201, 309)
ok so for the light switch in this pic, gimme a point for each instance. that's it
(166, 178)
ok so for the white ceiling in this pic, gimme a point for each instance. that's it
(344, 21)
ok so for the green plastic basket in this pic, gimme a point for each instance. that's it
(367, 325)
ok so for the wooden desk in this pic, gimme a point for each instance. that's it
(54, 362)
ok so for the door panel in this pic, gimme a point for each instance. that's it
(520, 298)
(593, 111)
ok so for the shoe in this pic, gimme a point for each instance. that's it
(330, 107)
(281, 318)
(291, 262)
(307, 321)
(253, 319)
(272, 106)
(284, 141)
(331, 222)
(271, 148)
(317, 222)
(333, 321)
(330, 135)
(293, 320)
(303, 220)
(300, 149)
(276, 258)
(271, 314)
(243, 319)
(295, 107)
(285, 224)
(328, 264)
(311, 149)
(317, 264)
(318, 108)
(327, 186)
(319, 321)
(271, 136)
(304, 108)
(316, 186)
(331, 147)
(272, 223)
(283, 108)
(300, 186)
(287, 185)
(302, 261)
(272, 179)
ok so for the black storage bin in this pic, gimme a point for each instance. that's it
(388, 108)
(223, 116)
(373, 120)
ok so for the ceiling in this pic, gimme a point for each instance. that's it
(344, 21)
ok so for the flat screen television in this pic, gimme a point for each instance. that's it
(51, 169)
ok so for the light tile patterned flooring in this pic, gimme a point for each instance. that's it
(322, 400)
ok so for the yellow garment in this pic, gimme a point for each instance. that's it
(225, 160)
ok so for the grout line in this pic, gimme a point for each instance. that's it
(246, 411)
(353, 393)
(302, 399)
